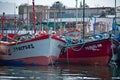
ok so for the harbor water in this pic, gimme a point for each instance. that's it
(60, 72)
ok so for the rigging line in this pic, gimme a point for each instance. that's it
(68, 56)
(113, 54)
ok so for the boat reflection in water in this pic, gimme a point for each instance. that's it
(60, 72)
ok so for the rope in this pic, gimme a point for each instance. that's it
(50, 58)
(68, 56)
(77, 49)
(69, 45)
(113, 56)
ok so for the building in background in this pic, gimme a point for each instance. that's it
(59, 15)
(118, 11)
(26, 13)
(56, 12)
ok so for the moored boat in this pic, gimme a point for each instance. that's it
(42, 50)
(97, 52)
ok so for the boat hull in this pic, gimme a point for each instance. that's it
(38, 51)
(90, 53)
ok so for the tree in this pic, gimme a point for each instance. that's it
(57, 5)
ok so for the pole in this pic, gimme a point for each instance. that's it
(115, 13)
(3, 18)
(115, 8)
(114, 20)
(27, 13)
(54, 19)
(94, 25)
(60, 17)
(83, 19)
(76, 14)
(34, 17)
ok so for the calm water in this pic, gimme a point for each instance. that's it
(60, 72)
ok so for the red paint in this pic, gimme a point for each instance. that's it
(57, 38)
(39, 60)
(33, 39)
(34, 17)
(90, 52)
(11, 35)
(41, 37)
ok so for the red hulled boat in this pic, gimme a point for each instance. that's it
(98, 52)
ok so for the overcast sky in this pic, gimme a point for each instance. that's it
(68, 3)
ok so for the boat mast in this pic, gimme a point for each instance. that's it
(34, 17)
(94, 25)
(76, 15)
(27, 12)
(3, 18)
(83, 20)
(114, 21)
(115, 14)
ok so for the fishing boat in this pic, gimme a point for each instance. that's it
(98, 52)
(41, 50)
(94, 50)
(30, 49)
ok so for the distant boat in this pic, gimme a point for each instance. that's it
(42, 50)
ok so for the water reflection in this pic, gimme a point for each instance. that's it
(60, 72)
